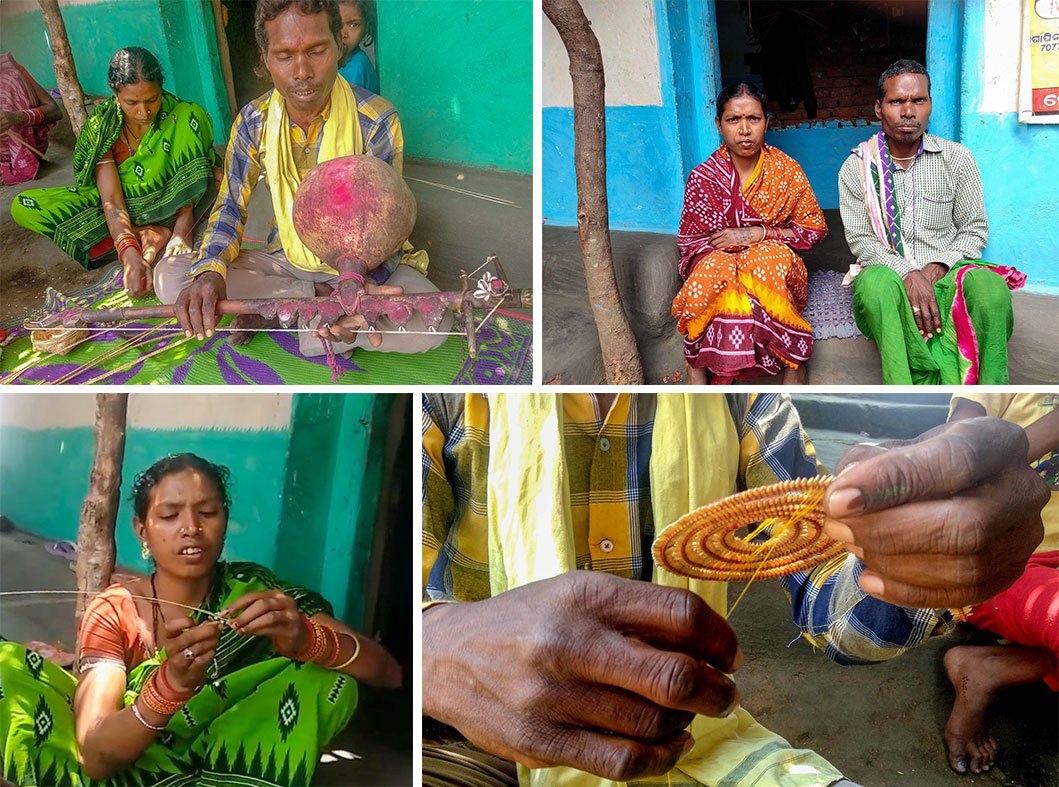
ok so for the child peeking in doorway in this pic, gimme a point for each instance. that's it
(358, 23)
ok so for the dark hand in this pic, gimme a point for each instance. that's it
(184, 635)
(924, 304)
(139, 281)
(944, 522)
(935, 272)
(9, 120)
(587, 670)
(734, 236)
(269, 613)
(197, 303)
(345, 328)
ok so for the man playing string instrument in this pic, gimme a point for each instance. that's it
(311, 116)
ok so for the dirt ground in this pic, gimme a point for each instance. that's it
(29, 263)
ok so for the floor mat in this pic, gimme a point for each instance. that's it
(829, 307)
(146, 353)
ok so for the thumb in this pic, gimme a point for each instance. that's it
(937, 467)
(383, 289)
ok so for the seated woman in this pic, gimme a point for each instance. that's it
(204, 671)
(746, 208)
(27, 114)
(144, 158)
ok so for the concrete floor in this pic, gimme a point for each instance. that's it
(645, 267)
(464, 216)
(374, 749)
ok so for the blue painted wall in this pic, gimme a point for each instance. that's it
(1019, 163)
(651, 150)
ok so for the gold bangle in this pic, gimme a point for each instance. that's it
(356, 651)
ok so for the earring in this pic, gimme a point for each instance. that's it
(145, 552)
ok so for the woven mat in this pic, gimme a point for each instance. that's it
(829, 307)
(505, 354)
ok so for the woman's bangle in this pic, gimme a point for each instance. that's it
(168, 689)
(314, 648)
(125, 241)
(351, 659)
(139, 717)
(764, 232)
(32, 117)
(156, 701)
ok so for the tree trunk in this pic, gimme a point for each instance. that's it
(621, 359)
(65, 70)
(95, 532)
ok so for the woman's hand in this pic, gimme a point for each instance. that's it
(153, 239)
(272, 614)
(190, 649)
(735, 236)
(8, 120)
(139, 281)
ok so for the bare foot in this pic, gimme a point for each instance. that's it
(240, 335)
(697, 376)
(977, 673)
(799, 375)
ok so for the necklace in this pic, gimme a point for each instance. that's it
(130, 136)
(905, 158)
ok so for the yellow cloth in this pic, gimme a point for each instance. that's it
(1023, 409)
(342, 137)
(694, 460)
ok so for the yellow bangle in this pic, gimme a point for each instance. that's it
(356, 651)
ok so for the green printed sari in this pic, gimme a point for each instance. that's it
(262, 721)
(172, 166)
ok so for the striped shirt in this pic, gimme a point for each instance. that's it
(380, 128)
(608, 459)
(941, 204)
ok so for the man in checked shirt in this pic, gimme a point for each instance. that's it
(311, 113)
(914, 217)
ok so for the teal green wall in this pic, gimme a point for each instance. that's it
(180, 33)
(460, 72)
(304, 500)
(329, 518)
(49, 503)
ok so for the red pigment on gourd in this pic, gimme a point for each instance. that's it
(354, 207)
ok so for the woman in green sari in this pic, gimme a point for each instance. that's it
(143, 165)
(246, 689)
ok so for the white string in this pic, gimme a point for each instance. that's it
(475, 194)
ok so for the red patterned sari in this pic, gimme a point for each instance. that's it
(740, 309)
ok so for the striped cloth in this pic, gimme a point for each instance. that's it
(608, 457)
(940, 202)
(380, 128)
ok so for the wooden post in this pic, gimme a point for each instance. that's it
(96, 553)
(621, 358)
(65, 70)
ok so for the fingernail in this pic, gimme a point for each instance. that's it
(187, 334)
(737, 662)
(872, 584)
(836, 531)
(846, 502)
(735, 704)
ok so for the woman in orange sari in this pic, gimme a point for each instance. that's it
(746, 208)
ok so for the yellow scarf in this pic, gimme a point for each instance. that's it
(341, 137)
(694, 460)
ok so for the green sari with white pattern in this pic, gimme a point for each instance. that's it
(261, 722)
(172, 166)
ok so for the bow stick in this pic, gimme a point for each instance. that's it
(348, 299)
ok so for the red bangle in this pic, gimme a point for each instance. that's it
(33, 116)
